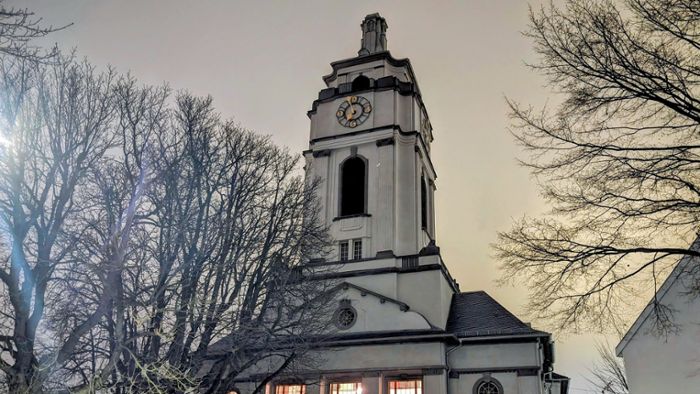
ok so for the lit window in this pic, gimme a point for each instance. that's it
(406, 386)
(357, 249)
(290, 389)
(344, 251)
(346, 388)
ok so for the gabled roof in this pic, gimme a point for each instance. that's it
(476, 314)
(665, 287)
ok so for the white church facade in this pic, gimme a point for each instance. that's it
(403, 325)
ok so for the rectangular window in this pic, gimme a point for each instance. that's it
(346, 388)
(406, 386)
(357, 249)
(290, 389)
(344, 251)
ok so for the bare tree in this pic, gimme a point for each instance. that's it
(18, 27)
(55, 122)
(608, 375)
(618, 160)
(187, 232)
(147, 245)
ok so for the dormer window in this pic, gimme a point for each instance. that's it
(353, 187)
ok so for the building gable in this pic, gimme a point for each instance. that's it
(673, 283)
(374, 312)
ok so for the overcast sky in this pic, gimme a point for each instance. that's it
(262, 62)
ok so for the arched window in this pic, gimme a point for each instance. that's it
(488, 385)
(352, 186)
(423, 204)
(360, 83)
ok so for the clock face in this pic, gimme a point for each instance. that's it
(353, 111)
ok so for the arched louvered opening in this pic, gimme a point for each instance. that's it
(360, 83)
(353, 187)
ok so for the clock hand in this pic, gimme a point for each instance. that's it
(349, 115)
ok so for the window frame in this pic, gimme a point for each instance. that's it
(287, 385)
(417, 378)
(343, 307)
(349, 246)
(344, 245)
(355, 254)
(357, 381)
(487, 379)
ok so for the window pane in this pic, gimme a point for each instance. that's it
(406, 387)
(290, 389)
(488, 388)
(357, 249)
(346, 388)
(344, 251)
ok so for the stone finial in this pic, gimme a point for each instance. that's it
(373, 35)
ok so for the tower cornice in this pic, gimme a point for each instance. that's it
(386, 55)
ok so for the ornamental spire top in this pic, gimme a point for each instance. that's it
(373, 35)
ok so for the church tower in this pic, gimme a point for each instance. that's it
(370, 146)
(401, 324)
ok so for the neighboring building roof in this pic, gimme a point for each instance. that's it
(476, 314)
(561, 379)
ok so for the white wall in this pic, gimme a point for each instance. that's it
(503, 355)
(428, 293)
(375, 363)
(667, 364)
(375, 316)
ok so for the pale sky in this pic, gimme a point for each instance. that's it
(262, 62)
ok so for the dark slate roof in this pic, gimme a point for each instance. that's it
(476, 314)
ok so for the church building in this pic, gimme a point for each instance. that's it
(666, 360)
(403, 325)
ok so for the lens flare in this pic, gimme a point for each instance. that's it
(4, 141)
